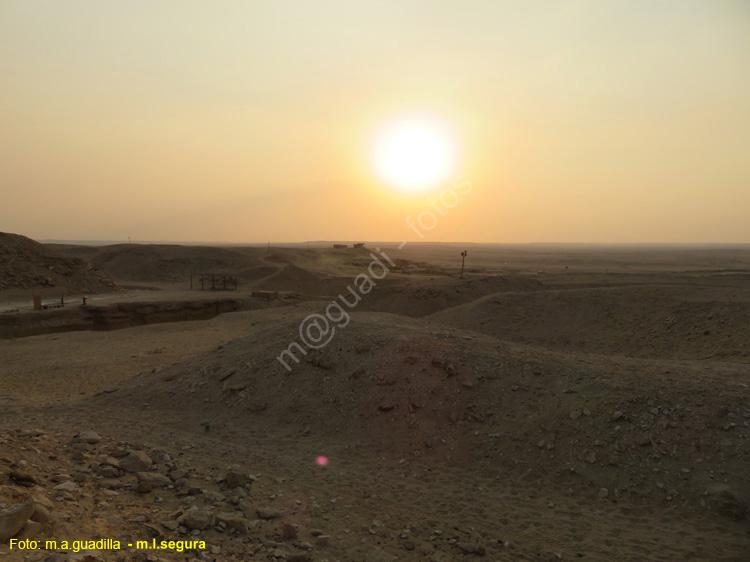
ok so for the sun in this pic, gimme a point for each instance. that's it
(415, 154)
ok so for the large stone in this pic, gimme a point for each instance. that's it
(148, 481)
(235, 479)
(13, 519)
(41, 514)
(68, 486)
(90, 437)
(170, 524)
(233, 521)
(107, 460)
(721, 499)
(116, 483)
(136, 461)
(106, 471)
(268, 513)
(196, 518)
(23, 477)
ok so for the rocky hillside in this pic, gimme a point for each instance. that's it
(663, 432)
(648, 321)
(26, 264)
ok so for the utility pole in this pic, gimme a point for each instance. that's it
(463, 259)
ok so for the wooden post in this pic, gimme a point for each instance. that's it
(463, 259)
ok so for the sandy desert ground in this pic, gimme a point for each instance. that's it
(556, 403)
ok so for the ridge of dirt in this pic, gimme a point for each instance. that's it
(26, 264)
(650, 321)
(643, 430)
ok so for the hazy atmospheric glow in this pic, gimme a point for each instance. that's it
(414, 154)
(574, 120)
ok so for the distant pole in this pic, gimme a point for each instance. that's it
(463, 259)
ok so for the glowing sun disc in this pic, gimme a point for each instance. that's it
(414, 155)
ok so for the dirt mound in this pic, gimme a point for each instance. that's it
(291, 278)
(26, 264)
(640, 321)
(113, 317)
(280, 270)
(608, 428)
(297, 279)
(420, 296)
(172, 263)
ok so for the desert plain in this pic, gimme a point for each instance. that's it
(553, 403)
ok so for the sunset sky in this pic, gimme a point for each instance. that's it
(574, 121)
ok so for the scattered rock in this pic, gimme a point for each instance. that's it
(68, 486)
(136, 461)
(41, 514)
(13, 519)
(721, 499)
(235, 479)
(170, 524)
(90, 437)
(233, 521)
(268, 513)
(471, 548)
(148, 481)
(288, 532)
(323, 540)
(196, 518)
(23, 477)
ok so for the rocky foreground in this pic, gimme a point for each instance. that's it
(103, 492)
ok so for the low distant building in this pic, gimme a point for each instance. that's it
(358, 245)
(214, 282)
(340, 246)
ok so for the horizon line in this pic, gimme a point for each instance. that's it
(97, 242)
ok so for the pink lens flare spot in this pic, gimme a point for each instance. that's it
(321, 460)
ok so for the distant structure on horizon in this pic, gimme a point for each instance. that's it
(355, 245)
(215, 282)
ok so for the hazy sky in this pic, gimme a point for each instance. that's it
(596, 121)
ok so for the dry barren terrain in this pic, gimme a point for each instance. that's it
(556, 403)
